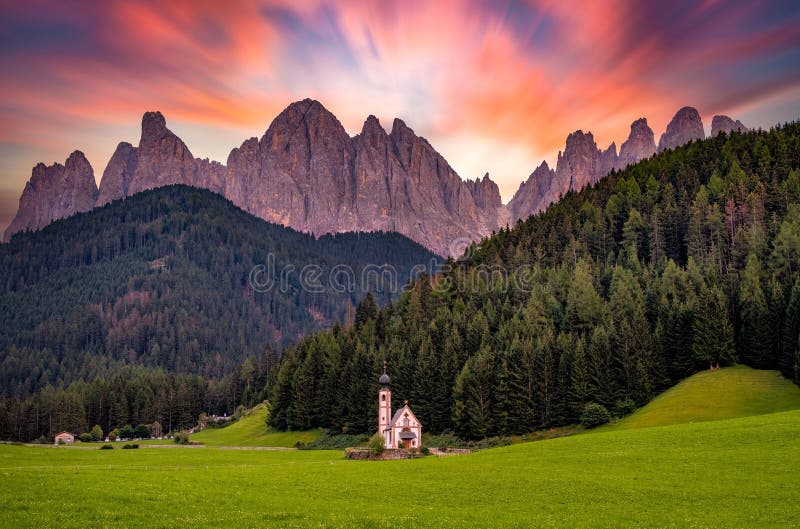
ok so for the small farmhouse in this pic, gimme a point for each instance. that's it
(63, 438)
(401, 430)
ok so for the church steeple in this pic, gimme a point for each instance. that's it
(385, 406)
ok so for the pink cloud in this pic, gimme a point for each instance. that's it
(509, 79)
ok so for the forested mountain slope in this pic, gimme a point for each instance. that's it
(687, 260)
(161, 279)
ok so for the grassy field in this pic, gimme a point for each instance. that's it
(252, 430)
(713, 395)
(732, 473)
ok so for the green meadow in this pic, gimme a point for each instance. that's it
(727, 393)
(252, 430)
(733, 472)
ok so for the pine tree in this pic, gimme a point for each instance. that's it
(473, 402)
(753, 336)
(791, 332)
(713, 333)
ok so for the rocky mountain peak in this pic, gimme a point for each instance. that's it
(485, 192)
(55, 192)
(578, 166)
(684, 127)
(372, 129)
(726, 124)
(154, 126)
(533, 194)
(640, 144)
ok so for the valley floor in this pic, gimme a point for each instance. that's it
(730, 473)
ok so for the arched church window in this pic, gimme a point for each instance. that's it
(383, 397)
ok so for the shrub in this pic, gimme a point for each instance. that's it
(41, 440)
(182, 438)
(130, 446)
(594, 415)
(107, 447)
(141, 432)
(96, 433)
(126, 432)
(85, 437)
(376, 444)
(624, 407)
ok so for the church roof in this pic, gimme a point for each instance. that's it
(408, 435)
(399, 413)
(384, 380)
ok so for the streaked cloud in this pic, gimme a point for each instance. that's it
(495, 85)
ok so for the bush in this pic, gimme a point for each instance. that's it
(376, 444)
(141, 432)
(41, 440)
(96, 433)
(86, 437)
(126, 432)
(130, 447)
(182, 438)
(624, 407)
(594, 415)
(106, 447)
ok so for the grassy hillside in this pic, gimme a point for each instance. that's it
(713, 395)
(252, 430)
(733, 473)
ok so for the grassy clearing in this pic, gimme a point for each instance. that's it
(252, 430)
(732, 473)
(713, 395)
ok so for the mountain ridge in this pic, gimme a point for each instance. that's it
(308, 173)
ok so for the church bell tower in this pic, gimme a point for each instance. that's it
(385, 406)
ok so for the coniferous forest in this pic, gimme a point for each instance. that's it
(687, 261)
(683, 262)
(144, 296)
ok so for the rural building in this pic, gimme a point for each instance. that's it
(401, 430)
(64, 438)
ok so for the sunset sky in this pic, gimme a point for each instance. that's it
(494, 86)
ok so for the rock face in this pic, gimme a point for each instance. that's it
(685, 126)
(307, 173)
(534, 194)
(640, 144)
(607, 162)
(583, 163)
(726, 125)
(485, 192)
(117, 177)
(55, 192)
(161, 159)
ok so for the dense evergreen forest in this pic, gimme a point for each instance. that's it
(680, 263)
(161, 280)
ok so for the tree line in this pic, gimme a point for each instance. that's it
(686, 261)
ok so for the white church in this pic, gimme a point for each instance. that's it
(401, 430)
